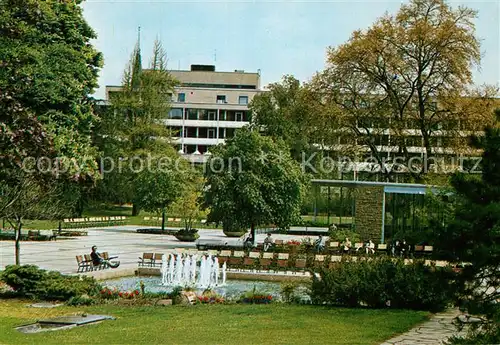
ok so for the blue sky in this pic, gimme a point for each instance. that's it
(277, 37)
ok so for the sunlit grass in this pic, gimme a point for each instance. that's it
(213, 324)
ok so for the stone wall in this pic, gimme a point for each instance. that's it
(368, 215)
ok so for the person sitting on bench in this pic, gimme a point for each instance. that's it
(97, 259)
(319, 245)
(268, 242)
(248, 244)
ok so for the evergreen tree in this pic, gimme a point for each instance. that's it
(474, 237)
(133, 126)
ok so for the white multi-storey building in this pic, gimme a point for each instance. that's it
(208, 107)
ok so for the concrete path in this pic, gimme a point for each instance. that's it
(433, 332)
(123, 241)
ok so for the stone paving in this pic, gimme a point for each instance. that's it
(122, 241)
(433, 332)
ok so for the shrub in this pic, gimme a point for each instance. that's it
(485, 336)
(339, 235)
(256, 297)
(80, 300)
(287, 291)
(31, 281)
(383, 282)
(312, 223)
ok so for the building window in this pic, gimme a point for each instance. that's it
(181, 97)
(243, 100)
(221, 99)
(239, 116)
(175, 113)
(190, 132)
(190, 149)
(175, 131)
(212, 115)
(222, 133)
(222, 115)
(211, 133)
(191, 114)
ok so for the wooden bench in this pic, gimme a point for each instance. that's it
(300, 264)
(83, 265)
(147, 259)
(72, 223)
(86, 264)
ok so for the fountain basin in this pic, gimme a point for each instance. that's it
(233, 289)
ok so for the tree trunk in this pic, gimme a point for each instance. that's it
(135, 210)
(252, 229)
(18, 240)
(163, 220)
(79, 207)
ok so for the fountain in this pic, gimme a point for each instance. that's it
(179, 270)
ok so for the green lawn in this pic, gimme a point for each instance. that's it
(213, 324)
(126, 210)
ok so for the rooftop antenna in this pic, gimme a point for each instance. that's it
(139, 37)
(215, 55)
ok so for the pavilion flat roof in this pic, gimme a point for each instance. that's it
(389, 187)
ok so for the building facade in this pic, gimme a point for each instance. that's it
(207, 107)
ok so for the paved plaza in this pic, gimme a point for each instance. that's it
(121, 241)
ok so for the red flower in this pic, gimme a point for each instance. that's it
(120, 294)
(269, 297)
(136, 292)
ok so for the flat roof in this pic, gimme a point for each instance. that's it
(389, 187)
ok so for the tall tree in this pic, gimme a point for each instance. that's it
(251, 181)
(296, 113)
(48, 69)
(474, 236)
(407, 72)
(133, 125)
(30, 199)
(157, 187)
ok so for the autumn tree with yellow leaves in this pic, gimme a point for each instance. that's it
(407, 81)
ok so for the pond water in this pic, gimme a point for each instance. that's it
(232, 288)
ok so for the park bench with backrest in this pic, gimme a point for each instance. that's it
(236, 260)
(251, 260)
(157, 260)
(146, 260)
(319, 261)
(300, 265)
(266, 261)
(85, 263)
(76, 223)
(283, 261)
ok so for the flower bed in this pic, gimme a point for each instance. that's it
(257, 299)
(209, 300)
(108, 293)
